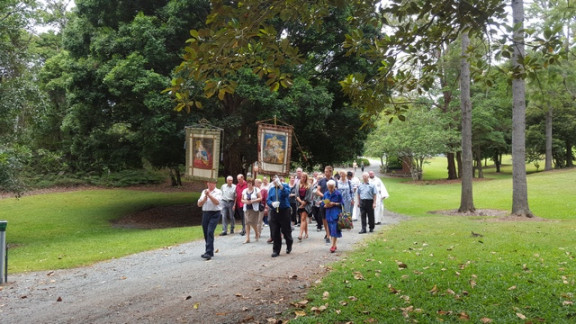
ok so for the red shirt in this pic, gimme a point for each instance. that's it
(239, 189)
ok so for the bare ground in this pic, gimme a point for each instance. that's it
(241, 284)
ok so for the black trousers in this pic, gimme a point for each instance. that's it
(367, 210)
(317, 216)
(280, 224)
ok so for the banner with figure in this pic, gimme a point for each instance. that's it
(274, 149)
(202, 152)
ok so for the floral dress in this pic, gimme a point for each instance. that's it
(333, 212)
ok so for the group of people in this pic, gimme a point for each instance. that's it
(283, 206)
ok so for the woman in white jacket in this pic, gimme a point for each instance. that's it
(251, 198)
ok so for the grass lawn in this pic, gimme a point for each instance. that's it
(433, 269)
(65, 230)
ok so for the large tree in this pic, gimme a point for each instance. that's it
(119, 58)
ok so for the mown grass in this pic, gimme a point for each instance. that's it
(432, 268)
(64, 230)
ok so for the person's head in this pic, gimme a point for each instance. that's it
(371, 174)
(298, 173)
(265, 181)
(342, 175)
(250, 182)
(292, 180)
(229, 180)
(211, 184)
(350, 174)
(328, 171)
(365, 177)
(240, 178)
(331, 185)
(304, 179)
(258, 183)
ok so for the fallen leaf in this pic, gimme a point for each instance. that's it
(188, 297)
(521, 316)
(464, 316)
(59, 299)
(196, 305)
(392, 289)
(325, 295)
(485, 320)
(358, 275)
(343, 303)
(567, 303)
(472, 284)
(299, 313)
(512, 288)
(294, 277)
(352, 298)
(434, 290)
(238, 295)
(217, 250)
(450, 291)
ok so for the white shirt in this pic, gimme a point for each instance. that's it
(209, 205)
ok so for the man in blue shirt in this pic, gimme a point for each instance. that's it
(367, 193)
(279, 216)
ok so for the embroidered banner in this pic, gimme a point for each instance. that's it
(202, 152)
(274, 149)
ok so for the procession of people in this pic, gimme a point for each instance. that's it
(292, 204)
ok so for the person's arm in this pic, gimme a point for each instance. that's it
(203, 198)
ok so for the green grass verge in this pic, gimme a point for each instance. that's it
(432, 269)
(64, 230)
(515, 270)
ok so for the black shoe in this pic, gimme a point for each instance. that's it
(326, 239)
(371, 230)
(223, 234)
(378, 223)
(232, 232)
(362, 232)
(319, 229)
(242, 233)
(288, 250)
(206, 256)
(275, 254)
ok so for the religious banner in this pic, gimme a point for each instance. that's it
(274, 149)
(202, 152)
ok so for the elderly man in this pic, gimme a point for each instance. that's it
(367, 203)
(320, 190)
(382, 193)
(228, 200)
(210, 203)
(239, 206)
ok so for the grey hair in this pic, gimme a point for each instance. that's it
(331, 183)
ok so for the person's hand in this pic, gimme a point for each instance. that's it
(275, 204)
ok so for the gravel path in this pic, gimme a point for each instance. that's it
(242, 283)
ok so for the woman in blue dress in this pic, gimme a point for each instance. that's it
(332, 204)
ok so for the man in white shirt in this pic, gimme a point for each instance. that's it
(210, 201)
(228, 199)
(382, 193)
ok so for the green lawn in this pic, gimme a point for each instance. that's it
(432, 269)
(63, 230)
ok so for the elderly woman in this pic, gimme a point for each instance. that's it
(333, 206)
(346, 188)
(251, 198)
(304, 198)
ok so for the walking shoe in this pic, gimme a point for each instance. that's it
(275, 254)
(231, 231)
(242, 233)
(362, 232)
(326, 239)
(378, 223)
(333, 249)
(206, 256)
(371, 230)
(288, 250)
(223, 234)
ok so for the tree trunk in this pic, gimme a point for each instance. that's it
(519, 183)
(569, 155)
(548, 162)
(466, 199)
(459, 163)
(452, 174)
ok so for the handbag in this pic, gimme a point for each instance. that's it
(345, 221)
(261, 207)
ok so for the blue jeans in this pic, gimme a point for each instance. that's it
(209, 222)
